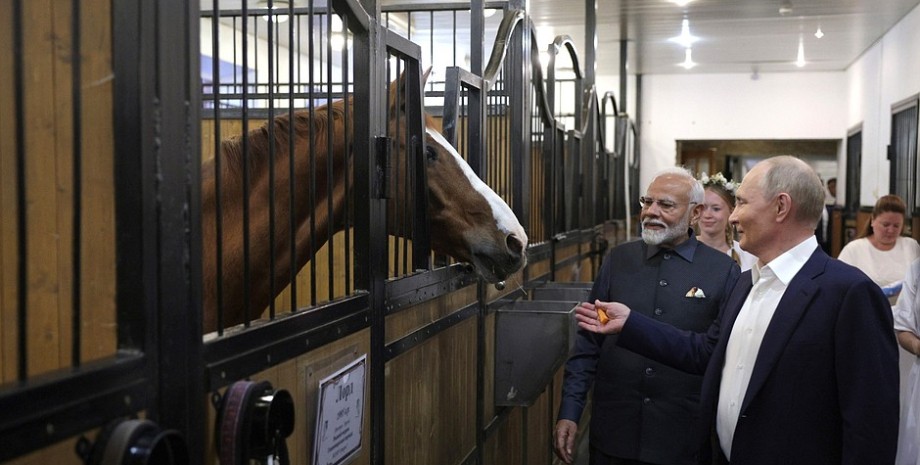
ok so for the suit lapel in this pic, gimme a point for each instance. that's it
(792, 306)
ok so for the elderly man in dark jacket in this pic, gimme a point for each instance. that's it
(643, 411)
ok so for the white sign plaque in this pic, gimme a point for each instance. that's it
(340, 415)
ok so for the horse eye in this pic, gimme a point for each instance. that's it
(431, 153)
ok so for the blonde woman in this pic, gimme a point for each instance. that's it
(713, 228)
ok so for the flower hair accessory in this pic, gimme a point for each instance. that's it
(718, 180)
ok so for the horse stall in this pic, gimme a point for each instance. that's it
(294, 232)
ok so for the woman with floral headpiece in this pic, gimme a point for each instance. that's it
(713, 228)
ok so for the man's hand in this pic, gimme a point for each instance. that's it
(588, 316)
(564, 439)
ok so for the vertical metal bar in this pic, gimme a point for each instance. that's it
(218, 157)
(21, 216)
(292, 206)
(402, 97)
(348, 150)
(178, 364)
(330, 156)
(415, 118)
(624, 61)
(312, 138)
(247, 275)
(77, 108)
(271, 158)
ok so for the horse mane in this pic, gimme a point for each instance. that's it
(259, 150)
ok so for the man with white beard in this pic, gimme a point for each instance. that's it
(645, 410)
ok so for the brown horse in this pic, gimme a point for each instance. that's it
(469, 221)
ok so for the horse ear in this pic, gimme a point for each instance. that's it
(400, 85)
(425, 77)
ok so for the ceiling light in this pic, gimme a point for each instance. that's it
(688, 60)
(276, 5)
(785, 8)
(819, 33)
(800, 57)
(685, 39)
(681, 2)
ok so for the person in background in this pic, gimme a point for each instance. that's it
(800, 367)
(907, 326)
(825, 231)
(713, 228)
(642, 411)
(880, 251)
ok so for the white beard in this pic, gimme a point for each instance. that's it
(665, 236)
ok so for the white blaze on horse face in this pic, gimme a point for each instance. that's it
(504, 217)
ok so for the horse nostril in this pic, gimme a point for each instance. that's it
(514, 244)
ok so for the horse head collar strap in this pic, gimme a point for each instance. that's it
(253, 422)
(134, 442)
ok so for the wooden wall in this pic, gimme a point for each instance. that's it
(47, 120)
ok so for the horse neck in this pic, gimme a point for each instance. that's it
(318, 213)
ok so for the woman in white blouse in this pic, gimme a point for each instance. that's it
(881, 252)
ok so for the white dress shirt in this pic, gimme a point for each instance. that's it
(770, 283)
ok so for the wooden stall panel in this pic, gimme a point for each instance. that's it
(48, 141)
(8, 236)
(431, 399)
(539, 430)
(402, 323)
(506, 445)
(301, 378)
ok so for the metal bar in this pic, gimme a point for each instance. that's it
(312, 137)
(271, 159)
(58, 406)
(292, 180)
(245, 353)
(218, 164)
(408, 291)
(330, 161)
(178, 320)
(247, 271)
(348, 150)
(22, 286)
(77, 141)
(419, 336)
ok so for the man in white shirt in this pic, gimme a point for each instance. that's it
(802, 365)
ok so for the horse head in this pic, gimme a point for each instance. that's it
(469, 221)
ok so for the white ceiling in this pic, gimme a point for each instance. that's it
(735, 36)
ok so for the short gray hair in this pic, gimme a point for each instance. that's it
(793, 176)
(697, 195)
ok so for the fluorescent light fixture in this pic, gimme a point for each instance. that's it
(688, 59)
(800, 57)
(681, 2)
(685, 39)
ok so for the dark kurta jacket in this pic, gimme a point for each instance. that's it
(642, 409)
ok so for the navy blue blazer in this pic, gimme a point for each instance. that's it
(824, 389)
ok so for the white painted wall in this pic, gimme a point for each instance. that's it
(799, 105)
(735, 106)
